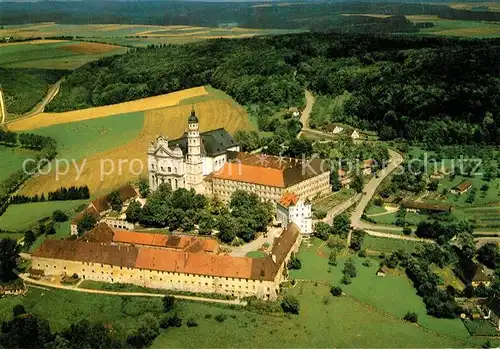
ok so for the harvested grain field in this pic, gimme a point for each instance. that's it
(33, 42)
(90, 48)
(171, 122)
(49, 119)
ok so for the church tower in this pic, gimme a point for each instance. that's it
(194, 163)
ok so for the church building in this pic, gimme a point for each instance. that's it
(184, 162)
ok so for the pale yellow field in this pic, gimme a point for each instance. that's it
(472, 32)
(48, 119)
(366, 15)
(171, 122)
(422, 18)
(33, 42)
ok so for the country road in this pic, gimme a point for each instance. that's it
(52, 92)
(46, 284)
(306, 113)
(3, 110)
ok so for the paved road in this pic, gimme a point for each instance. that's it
(42, 283)
(53, 91)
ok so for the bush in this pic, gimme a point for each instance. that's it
(367, 263)
(168, 303)
(290, 305)
(411, 317)
(59, 216)
(346, 280)
(170, 321)
(362, 253)
(336, 291)
(407, 231)
(332, 259)
(18, 309)
(294, 262)
(192, 322)
(220, 317)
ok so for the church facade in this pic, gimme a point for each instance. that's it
(184, 162)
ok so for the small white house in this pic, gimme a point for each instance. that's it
(291, 209)
(355, 134)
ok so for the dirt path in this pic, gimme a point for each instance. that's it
(53, 91)
(306, 113)
(41, 283)
(3, 111)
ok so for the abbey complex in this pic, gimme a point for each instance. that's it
(210, 164)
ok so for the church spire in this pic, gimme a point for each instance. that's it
(193, 119)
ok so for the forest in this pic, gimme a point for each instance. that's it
(437, 90)
(213, 14)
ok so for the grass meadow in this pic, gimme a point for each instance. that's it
(77, 140)
(24, 216)
(11, 159)
(393, 294)
(388, 245)
(53, 55)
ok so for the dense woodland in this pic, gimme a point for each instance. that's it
(299, 16)
(18, 98)
(441, 91)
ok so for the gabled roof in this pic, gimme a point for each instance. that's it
(89, 210)
(102, 204)
(251, 174)
(426, 206)
(462, 186)
(213, 143)
(480, 275)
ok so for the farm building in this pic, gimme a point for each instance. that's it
(462, 187)
(382, 271)
(480, 277)
(492, 311)
(422, 207)
(101, 206)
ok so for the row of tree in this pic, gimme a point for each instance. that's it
(61, 194)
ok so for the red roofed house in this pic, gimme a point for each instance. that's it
(100, 206)
(144, 263)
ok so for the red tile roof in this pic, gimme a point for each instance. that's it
(174, 261)
(251, 174)
(464, 185)
(289, 199)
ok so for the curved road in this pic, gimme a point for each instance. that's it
(369, 188)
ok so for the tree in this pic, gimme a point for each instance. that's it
(227, 228)
(9, 253)
(168, 303)
(18, 309)
(489, 255)
(144, 188)
(407, 230)
(322, 230)
(357, 239)
(294, 262)
(144, 336)
(290, 304)
(134, 212)
(28, 331)
(332, 259)
(29, 238)
(59, 216)
(187, 224)
(401, 217)
(335, 180)
(433, 185)
(115, 200)
(341, 225)
(357, 183)
(336, 291)
(349, 268)
(411, 317)
(87, 223)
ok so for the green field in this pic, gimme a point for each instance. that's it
(388, 245)
(11, 160)
(376, 291)
(83, 138)
(470, 29)
(412, 218)
(24, 216)
(48, 55)
(340, 323)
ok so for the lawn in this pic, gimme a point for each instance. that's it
(12, 160)
(77, 140)
(374, 209)
(256, 254)
(373, 290)
(412, 218)
(388, 245)
(24, 216)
